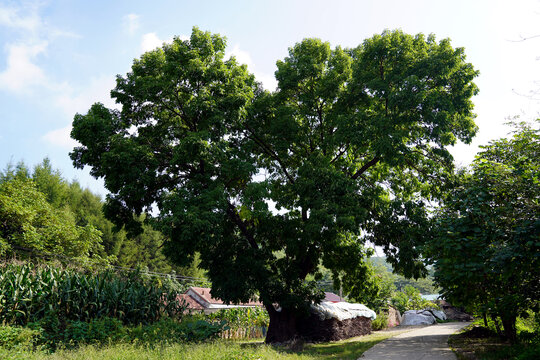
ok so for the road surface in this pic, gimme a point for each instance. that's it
(425, 343)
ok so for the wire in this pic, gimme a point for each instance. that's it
(106, 267)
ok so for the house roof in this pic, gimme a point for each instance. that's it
(204, 297)
(331, 297)
(200, 298)
(191, 303)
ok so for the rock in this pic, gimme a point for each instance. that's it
(453, 313)
(439, 314)
(418, 317)
(394, 317)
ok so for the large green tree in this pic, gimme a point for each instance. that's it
(487, 249)
(267, 186)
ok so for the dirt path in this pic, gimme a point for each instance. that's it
(425, 343)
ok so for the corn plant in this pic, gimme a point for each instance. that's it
(237, 318)
(29, 293)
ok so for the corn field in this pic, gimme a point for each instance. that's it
(28, 293)
(243, 323)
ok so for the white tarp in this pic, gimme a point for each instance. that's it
(342, 311)
(417, 317)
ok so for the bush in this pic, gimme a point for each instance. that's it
(410, 299)
(169, 330)
(18, 338)
(530, 353)
(381, 322)
(109, 330)
(95, 331)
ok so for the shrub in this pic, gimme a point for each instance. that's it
(381, 322)
(410, 299)
(110, 330)
(530, 353)
(169, 330)
(18, 338)
(95, 331)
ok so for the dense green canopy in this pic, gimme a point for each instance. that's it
(487, 249)
(268, 185)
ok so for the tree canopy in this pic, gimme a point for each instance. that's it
(267, 186)
(43, 214)
(487, 249)
(28, 221)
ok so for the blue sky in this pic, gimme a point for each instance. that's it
(59, 57)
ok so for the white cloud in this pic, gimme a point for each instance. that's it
(150, 41)
(268, 81)
(131, 23)
(10, 17)
(21, 73)
(73, 101)
(30, 40)
(241, 56)
(60, 137)
(79, 101)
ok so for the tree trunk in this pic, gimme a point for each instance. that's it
(283, 326)
(496, 322)
(509, 327)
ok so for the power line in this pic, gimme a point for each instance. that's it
(107, 267)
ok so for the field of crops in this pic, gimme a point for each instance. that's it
(31, 293)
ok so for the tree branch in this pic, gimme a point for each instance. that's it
(233, 215)
(266, 148)
(338, 155)
(366, 166)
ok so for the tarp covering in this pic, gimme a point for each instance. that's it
(342, 311)
(418, 317)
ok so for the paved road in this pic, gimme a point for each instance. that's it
(426, 343)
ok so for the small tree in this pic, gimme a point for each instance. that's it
(410, 299)
(486, 253)
(345, 150)
(373, 288)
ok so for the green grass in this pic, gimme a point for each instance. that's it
(219, 350)
(345, 349)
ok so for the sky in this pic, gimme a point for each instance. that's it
(57, 58)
